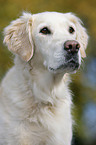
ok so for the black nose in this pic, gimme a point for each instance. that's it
(71, 46)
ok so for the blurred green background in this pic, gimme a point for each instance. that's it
(84, 81)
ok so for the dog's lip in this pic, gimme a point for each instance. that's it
(70, 63)
(74, 64)
(72, 60)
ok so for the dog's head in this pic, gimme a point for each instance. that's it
(58, 38)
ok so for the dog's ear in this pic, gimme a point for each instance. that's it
(18, 37)
(81, 36)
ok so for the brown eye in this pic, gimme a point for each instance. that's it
(45, 31)
(71, 30)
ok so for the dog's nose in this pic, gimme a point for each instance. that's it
(71, 46)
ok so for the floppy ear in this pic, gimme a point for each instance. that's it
(81, 35)
(18, 37)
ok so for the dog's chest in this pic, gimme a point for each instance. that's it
(51, 124)
(54, 107)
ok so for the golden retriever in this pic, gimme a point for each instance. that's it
(35, 101)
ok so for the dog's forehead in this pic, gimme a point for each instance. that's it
(50, 17)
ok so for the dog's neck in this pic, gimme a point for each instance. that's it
(40, 72)
(39, 78)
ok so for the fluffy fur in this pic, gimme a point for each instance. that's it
(35, 101)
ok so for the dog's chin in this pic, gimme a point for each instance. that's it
(68, 67)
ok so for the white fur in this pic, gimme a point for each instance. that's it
(35, 102)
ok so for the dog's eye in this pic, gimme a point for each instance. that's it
(45, 31)
(71, 30)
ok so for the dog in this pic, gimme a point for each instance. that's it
(35, 100)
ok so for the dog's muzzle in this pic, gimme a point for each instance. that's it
(72, 47)
(71, 61)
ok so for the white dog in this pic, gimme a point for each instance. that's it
(35, 101)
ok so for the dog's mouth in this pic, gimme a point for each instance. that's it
(74, 64)
(68, 66)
